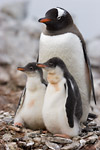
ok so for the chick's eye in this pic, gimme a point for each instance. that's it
(31, 68)
(58, 18)
(51, 64)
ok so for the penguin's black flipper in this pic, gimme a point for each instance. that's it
(37, 58)
(21, 101)
(90, 71)
(70, 103)
(78, 108)
(44, 82)
(73, 103)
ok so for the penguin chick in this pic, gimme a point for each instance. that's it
(61, 38)
(62, 107)
(29, 111)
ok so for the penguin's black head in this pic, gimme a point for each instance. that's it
(53, 63)
(56, 19)
(31, 69)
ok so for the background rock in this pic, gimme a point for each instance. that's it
(16, 10)
(19, 40)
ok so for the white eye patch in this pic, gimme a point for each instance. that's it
(60, 12)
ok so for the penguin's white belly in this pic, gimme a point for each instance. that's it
(69, 48)
(31, 112)
(54, 114)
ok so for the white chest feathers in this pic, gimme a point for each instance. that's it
(54, 113)
(66, 45)
(69, 48)
(30, 114)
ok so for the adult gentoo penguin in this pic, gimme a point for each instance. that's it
(61, 38)
(29, 111)
(62, 108)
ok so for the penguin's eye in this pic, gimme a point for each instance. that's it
(58, 18)
(50, 64)
(31, 68)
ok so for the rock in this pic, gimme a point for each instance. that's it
(82, 142)
(8, 120)
(26, 138)
(37, 139)
(4, 59)
(52, 146)
(4, 76)
(6, 114)
(32, 27)
(11, 146)
(31, 135)
(87, 135)
(1, 116)
(6, 117)
(92, 139)
(22, 144)
(76, 138)
(72, 146)
(59, 140)
(30, 144)
(97, 133)
(16, 9)
(97, 145)
(19, 41)
(7, 137)
(45, 147)
(92, 123)
(1, 112)
(19, 78)
(18, 44)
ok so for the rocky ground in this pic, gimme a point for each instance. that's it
(19, 37)
(13, 138)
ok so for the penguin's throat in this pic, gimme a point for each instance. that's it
(33, 83)
(53, 78)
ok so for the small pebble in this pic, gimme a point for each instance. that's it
(92, 139)
(22, 144)
(30, 144)
(37, 139)
(82, 142)
(8, 120)
(59, 140)
(11, 146)
(73, 146)
(97, 133)
(52, 146)
(7, 137)
(92, 123)
(1, 116)
(6, 114)
(1, 112)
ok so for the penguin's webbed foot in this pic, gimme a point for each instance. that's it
(62, 135)
(17, 124)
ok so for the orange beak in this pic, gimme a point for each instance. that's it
(20, 69)
(43, 20)
(41, 65)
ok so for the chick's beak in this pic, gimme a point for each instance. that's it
(41, 65)
(44, 20)
(21, 68)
